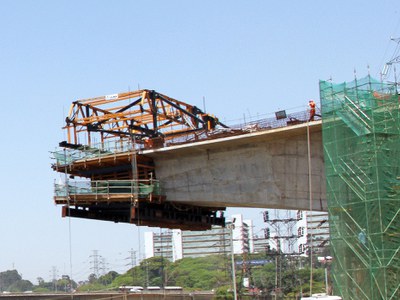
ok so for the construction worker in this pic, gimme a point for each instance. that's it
(362, 237)
(311, 103)
(210, 121)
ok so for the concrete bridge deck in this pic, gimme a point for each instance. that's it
(263, 169)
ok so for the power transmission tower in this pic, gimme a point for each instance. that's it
(394, 60)
(94, 263)
(54, 273)
(103, 266)
(281, 233)
(132, 262)
(132, 258)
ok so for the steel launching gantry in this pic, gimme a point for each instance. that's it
(136, 116)
(106, 175)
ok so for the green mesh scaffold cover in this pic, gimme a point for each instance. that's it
(361, 138)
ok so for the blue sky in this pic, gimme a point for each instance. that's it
(247, 58)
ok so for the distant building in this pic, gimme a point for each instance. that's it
(160, 244)
(242, 235)
(176, 244)
(261, 244)
(289, 232)
(312, 231)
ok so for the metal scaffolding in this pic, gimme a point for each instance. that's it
(361, 138)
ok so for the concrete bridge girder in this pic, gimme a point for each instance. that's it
(265, 169)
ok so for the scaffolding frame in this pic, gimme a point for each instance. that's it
(361, 139)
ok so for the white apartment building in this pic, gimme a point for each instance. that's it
(288, 232)
(176, 244)
(312, 231)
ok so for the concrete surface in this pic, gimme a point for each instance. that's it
(264, 169)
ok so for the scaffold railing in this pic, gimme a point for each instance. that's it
(66, 156)
(107, 187)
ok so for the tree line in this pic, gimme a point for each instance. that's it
(283, 275)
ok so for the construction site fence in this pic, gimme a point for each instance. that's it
(107, 187)
(283, 118)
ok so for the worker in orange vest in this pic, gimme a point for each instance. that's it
(311, 103)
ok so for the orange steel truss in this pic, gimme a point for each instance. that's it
(139, 115)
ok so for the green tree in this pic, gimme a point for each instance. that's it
(20, 286)
(203, 273)
(90, 287)
(153, 271)
(124, 279)
(92, 278)
(211, 273)
(12, 281)
(40, 281)
(264, 276)
(107, 278)
(7, 278)
(38, 289)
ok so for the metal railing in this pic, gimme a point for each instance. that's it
(66, 156)
(107, 187)
(250, 124)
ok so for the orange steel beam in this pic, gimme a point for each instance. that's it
(135, 115)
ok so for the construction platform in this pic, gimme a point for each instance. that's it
(110, 180)
(113, 166)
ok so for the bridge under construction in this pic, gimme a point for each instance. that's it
(144, 158)
(147, 159)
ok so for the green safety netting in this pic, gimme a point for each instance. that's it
(361, 139)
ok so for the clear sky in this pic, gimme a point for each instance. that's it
(247, 58)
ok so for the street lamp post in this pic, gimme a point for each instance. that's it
(232, 226)
(326, 260)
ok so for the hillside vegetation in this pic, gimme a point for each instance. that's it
(210, 273)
